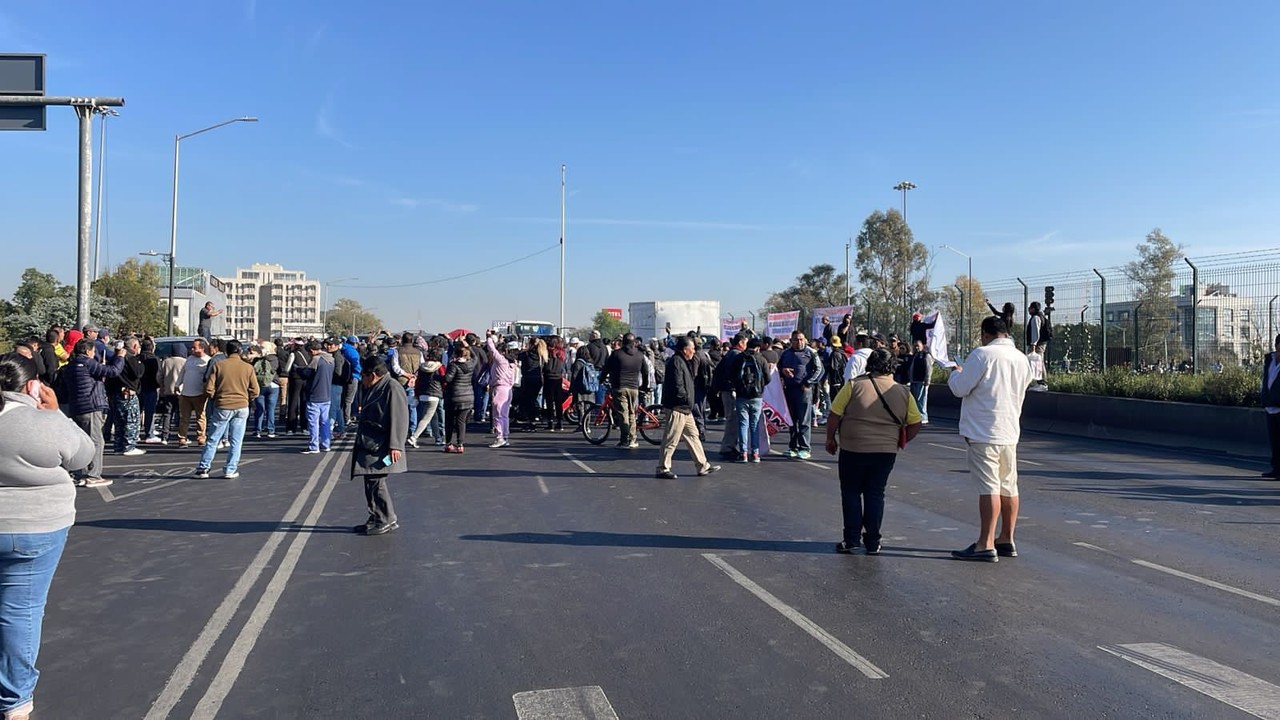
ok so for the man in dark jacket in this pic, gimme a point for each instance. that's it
(317, 381)
(122, 393)
(919, 372)
(800, 371)
(722, 383)
(625, 370)
(679, 395)
(149, 393)
(49, 355)
(86, 401)
(379, 447)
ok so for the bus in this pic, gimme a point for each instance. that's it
(532, 328)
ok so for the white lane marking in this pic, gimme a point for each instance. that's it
(1188, 576)
(189, 463)
(107, 495)
(1030, 462)
(580, 703)
(185, 672)
(1224, 684)
(948, 447)
(233, 663)
(844, 652)
(542, 485)
(145, 490)
(577, 462)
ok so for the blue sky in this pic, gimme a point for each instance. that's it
(715, 150)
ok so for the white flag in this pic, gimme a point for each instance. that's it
(937, 336)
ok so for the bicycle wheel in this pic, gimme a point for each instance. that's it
(596, 423)
(573, 413)
(652, 423)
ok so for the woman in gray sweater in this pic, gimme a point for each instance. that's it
(39, 446)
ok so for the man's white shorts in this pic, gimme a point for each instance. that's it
(995, 467)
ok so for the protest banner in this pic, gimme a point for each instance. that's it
(781, 324)
(729, 328)
(836, 314)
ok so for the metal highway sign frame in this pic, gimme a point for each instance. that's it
(22, 74)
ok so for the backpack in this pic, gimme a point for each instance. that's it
(1046, 330)
(836, 360)
(590, 378)
(750, 381)
(262, 369)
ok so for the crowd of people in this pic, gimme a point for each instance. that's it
(396, 393)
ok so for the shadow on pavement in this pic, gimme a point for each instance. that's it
(208, 526)
(582, 538)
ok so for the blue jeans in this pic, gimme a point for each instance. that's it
(318, 425)
(749, 410)
(149, 399)
(27, 563)
(264, 409)
(337, 421)
(920, 391)
(481, 401)
(800, 405)
(228, 423)
(412, 399)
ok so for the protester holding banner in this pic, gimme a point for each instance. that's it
(782, 324)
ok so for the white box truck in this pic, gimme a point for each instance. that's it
(650, 319)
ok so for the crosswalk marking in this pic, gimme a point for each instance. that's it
(1224, 684)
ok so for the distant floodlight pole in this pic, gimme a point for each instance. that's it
(848, 291)
(967, 319)
(102, 174)
(903, 187)
(173, 218)
(563, 167)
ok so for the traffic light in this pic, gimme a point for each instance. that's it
(1048, 296)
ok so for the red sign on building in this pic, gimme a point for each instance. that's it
(615, 313)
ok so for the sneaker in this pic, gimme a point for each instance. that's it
(231, 475)
(873, 548)
(380, 528)
(973, 553)
(325, 449)
(707, 471)
(95, 482)
(224, 444)
(804, 454)
(412, 443)
(152, 441)
(183, 444)
(460, 450)
(665, 475)
(134, 452)
(451, 448)
(741, 458)
(633, 445)
(202, 473)
(499, 444)
(792, 453)
(309, 451)
(1006, 549)
(755, 457)
(845, 548)
(271, 436)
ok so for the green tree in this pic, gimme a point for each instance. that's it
(964, 306)
(40, 302)
(134, 286)
(35, 287)
(609, 326)
(349, 317)
(1152, 275)
(893, 270)
(819, 286)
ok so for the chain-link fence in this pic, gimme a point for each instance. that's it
(1209, 312)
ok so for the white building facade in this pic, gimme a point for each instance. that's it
(267, 301)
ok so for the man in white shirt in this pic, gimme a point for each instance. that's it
(991, 386)
(857, 364)
(193, 399)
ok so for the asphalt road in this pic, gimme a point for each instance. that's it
(556, 579)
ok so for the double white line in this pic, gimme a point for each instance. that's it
(184, 674)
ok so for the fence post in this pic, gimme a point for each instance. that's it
(1102, 317)
(1026, 316)
(1271, 338)
(1195, 331)
(1136, 309)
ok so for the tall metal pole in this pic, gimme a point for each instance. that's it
(848, 288)
(961, 340)
(85, 114)
(563, 167)
(173, 236)
(1102, 317)
(1195, 330)
(102, 173)
(968, 317)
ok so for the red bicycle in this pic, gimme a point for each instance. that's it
(597, 421)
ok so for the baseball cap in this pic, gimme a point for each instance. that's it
(575, 341)
(352, 339)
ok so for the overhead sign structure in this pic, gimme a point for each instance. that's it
(22, 74)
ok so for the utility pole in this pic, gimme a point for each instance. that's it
(563, 168)
(848, 289)
(903, 187)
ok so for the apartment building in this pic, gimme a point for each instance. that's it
(266, 300)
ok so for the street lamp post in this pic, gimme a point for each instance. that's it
(848, 291)
(903, 187)
(970, 288)
(173, 219)
(560, 329)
